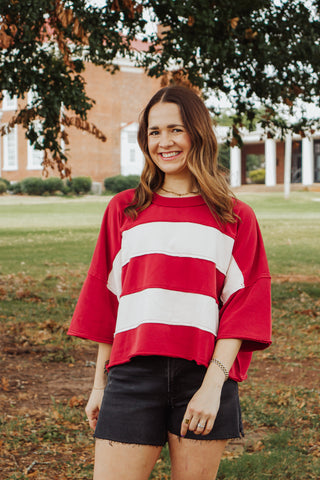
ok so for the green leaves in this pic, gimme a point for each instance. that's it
(259, 53)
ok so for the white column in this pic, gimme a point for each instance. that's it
(307, 161)
(270, 150)
(235, 167)
(287, 164)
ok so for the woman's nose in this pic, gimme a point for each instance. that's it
(165, 140)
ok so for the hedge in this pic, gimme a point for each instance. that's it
(32, 186)
(38, 186)
(6, 182)
(121, 182)
(80, 185)
(257, 176)
(15, 188)
(3, 187)
(53, 184)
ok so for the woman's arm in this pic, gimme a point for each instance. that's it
(204, 405)
(93, 406)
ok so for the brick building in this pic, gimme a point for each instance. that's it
(119, 100)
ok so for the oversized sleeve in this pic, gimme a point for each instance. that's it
(95, 314)
(245, 311)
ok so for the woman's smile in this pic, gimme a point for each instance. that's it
(168, 140)
(169, 155)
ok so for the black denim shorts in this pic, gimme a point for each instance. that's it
(147, 397)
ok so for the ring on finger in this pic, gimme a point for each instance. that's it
(200, 425)
(187, 421)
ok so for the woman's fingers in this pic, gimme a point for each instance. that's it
(93, 407)
(184, 425)
(196, 424)
(208, 427)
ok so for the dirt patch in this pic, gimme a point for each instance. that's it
(29, 386)
(31, 383)
(290, 373)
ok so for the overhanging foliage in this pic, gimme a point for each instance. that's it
(263, 55)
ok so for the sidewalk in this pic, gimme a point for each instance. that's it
(294, 187)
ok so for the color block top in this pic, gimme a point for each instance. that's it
(174, 280)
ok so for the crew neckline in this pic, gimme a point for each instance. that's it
(177, 201)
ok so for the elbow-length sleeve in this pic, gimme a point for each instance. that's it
(245, 311)
(95, 314)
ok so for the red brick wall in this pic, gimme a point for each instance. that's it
(119, 99)
(280, 162)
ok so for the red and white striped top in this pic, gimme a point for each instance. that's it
(174, 280)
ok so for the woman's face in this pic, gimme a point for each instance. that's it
(168, 141)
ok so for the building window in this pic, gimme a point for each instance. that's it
(132, 137)
(10, 150)
(35, 157)
(132, 155)
(9, 103)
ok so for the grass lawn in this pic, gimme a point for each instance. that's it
(45, 249)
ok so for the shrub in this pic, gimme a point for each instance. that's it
(52, 185)
(6, 182)
(121, 182)
(3, 187)
(66, 187)
(257, 176)
(15, 188)
(32, 186)
(80, 185)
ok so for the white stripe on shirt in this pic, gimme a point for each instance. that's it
(178, 239)
(169, 307)
(233, 282)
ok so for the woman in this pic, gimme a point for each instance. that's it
(177, 297)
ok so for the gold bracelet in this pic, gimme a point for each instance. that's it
(223, 368)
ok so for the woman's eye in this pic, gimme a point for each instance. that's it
(153, 133)
(177, 130)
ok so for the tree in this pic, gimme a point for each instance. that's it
(44, 45)
(263, 55)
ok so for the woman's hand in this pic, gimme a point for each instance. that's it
(204, 405)
(201, 411)
(93, 407)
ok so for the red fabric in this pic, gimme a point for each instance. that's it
(246, 314)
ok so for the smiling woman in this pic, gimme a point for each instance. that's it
(178, 297)
(183, 116)
(169, 145)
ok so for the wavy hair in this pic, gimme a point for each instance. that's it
(201, 160)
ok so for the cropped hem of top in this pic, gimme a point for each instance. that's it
(174, 280)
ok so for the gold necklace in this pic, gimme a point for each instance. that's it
(178, 194)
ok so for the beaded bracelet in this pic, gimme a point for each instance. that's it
(223, 368)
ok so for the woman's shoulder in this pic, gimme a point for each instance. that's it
(243, 210)
(122, 199)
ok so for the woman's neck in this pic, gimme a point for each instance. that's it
(178, 187)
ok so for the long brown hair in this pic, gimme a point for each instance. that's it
(201, 160)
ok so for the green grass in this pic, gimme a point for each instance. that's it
(45, 251)
(289, 229)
